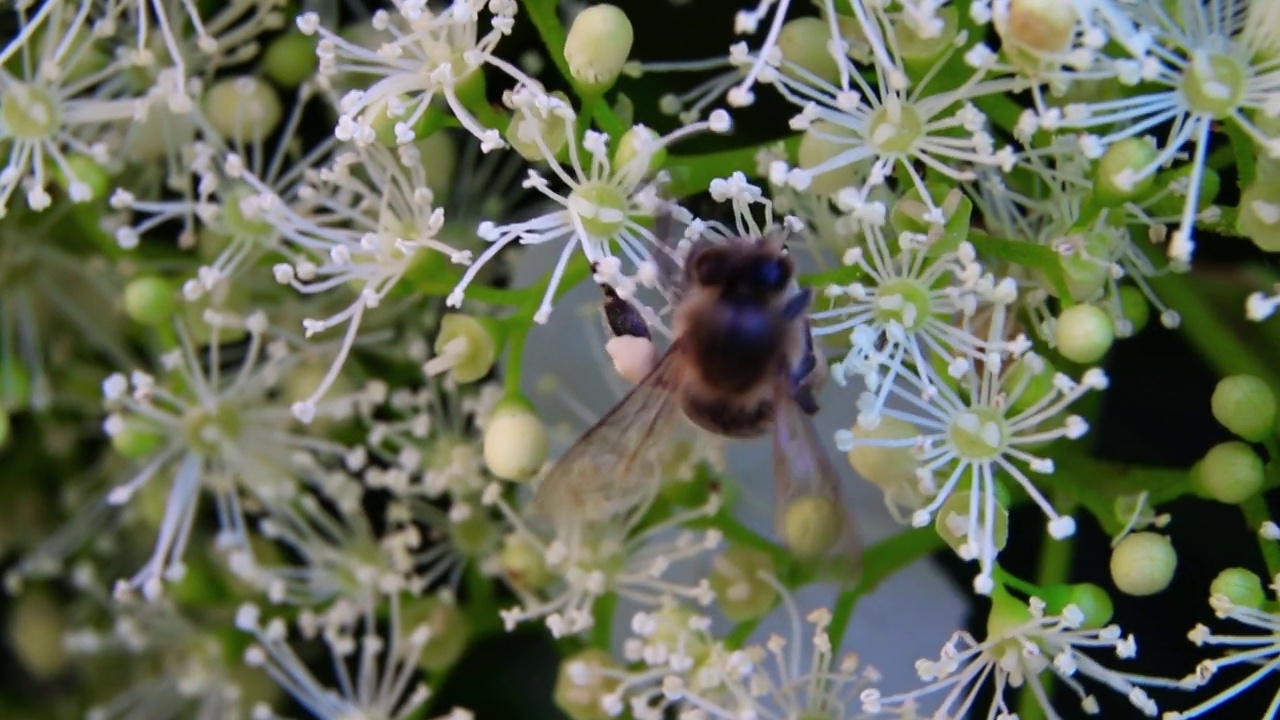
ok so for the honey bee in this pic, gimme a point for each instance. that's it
(742, 363)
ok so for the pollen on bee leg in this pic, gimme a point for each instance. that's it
(633, 357)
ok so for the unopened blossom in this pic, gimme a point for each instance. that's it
(603, 209)
(983, 424)
(1024, 646)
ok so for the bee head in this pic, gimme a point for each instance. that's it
(742, 272)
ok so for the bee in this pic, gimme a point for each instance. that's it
(742, 363)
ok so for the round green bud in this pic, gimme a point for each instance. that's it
(735, 579)
(1242, 587)
(290, 59)
(1084, 333)
(817, 146)
(1259, 217)
(466, 347)
(515, 440)
(1085, 267)
(892, 469)
(1092, 601)
(243, 107)
(35, 633)
(598, 45)
(1134, 308)
(585, 678)
(1231, 472)
(639, 145)
(952, 521)
(811, 525)
(134, 442)
(1245, 405)
(803, 42)
(524, 563)
(1116, 178)
(1143, 563)
(448, 626)
(149, 300)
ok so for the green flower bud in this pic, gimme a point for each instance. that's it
(134, 442)
(735, 579)
(149, 300)
(892, 469)
(1135, 308)
(803, 42)
(243, 107)
(920, 52)
(1143, 563)
(1259, 217)
(524, 563)
(1242, 587)
(1245, 405)
(585, 678)
(1092, 601)
(466, 347)
(290, 59)
(811, 526)
(597, 47)
(952, 521)
(1031, 374)
(449, 631)
(515, 440)
(87, 179)
(36, 627)
(1115, 180)
(639, 144)
(1085, 268)
(1084, 333)
(1231, 472)
(528, 126)
(816, 146)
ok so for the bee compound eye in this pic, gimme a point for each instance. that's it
(773, 273)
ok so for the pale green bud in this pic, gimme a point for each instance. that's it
(1143, 563)
(640, 144)
(598, 44)
(803, 42)
(1242, 587)
(531, 124)
(290, 59)
(243, 107)
(1245, 405)
(816, 146)
(1135, 308)
(1231, 472)
(448, 628)
(1084, 333)
(1259, 217)
(515, 440)
(134, 442)
(583, 682)
(892, 469)
(149, 300)
(466, 347)
(811, 525)
(952, 522)
(1116, 181)
(524, 563)
(1092, 601)
(735, 579)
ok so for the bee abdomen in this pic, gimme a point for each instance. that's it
(732, 417)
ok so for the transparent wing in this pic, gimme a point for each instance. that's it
(802, 468)
(617, 464)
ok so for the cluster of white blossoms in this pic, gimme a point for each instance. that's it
(265, 294)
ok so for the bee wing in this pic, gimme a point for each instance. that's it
(802, 468)
(615, 465)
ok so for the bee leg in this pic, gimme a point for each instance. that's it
(623, 318)
(802, 376)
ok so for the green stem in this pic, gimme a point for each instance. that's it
(1054, 565)
(740, 632)
(879, 562)
(1029, 255)
(602, 613)
(1255, 514)
(517, 334)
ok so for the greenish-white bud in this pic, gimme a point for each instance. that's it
(539, 129)
(640, 145)
(1091, 600)
(515, 440)
(1259, 218)
(892, 469)
(1084, 333)
(243, 107)
(585, 679)
(1242, 587)
(149, 300)
(290, 59)
(448, 630)
(466, 347)
(1143, 563)
(1231, 472)
(735, 579)
(1045, 26)
(952, 523)
(1117, 181)
(1245, 405)
(598, 45)
(523, 563)
(803, 42)
(811, 525)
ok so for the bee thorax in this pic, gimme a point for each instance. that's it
(737, 416)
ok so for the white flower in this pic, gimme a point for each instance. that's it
(1260, 651)
(602, 209)
(982, 427)
(1022, 645)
